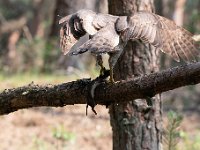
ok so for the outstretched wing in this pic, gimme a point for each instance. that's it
(105, 40)
(80, 23)
(163, 34)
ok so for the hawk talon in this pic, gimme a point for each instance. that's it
(112, 80)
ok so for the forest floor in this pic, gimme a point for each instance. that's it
(68, 128)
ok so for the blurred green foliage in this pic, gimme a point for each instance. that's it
(176, 138)
(11, 9)
(38, 54)
(172, 132)
(60, 133)
(188, 142)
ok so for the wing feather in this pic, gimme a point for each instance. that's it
(163, 34)
(105, 40)
(67, 39)
(101, 20)
(82, 22)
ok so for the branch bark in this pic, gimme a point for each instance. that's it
(75, 92)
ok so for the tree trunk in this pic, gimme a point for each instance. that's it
(36, 23)
(179, 12)
(135, 127)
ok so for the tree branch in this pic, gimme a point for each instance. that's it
(76, 92)
(12, 25)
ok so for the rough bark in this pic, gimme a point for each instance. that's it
(76, 92)
(133, 129)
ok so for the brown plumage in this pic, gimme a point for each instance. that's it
(78, 24)
(160, 32)
(111, 33)
(106, 40)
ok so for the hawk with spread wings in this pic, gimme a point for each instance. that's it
(109, 34)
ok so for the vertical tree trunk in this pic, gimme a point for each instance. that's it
(179, 12)
(35, 24)
(135, 127)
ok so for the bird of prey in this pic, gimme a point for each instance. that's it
(80, 23)
(112, 36)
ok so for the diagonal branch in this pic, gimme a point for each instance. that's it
(76, 92)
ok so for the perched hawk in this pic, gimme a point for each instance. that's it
(109, 34)
(78, 24)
